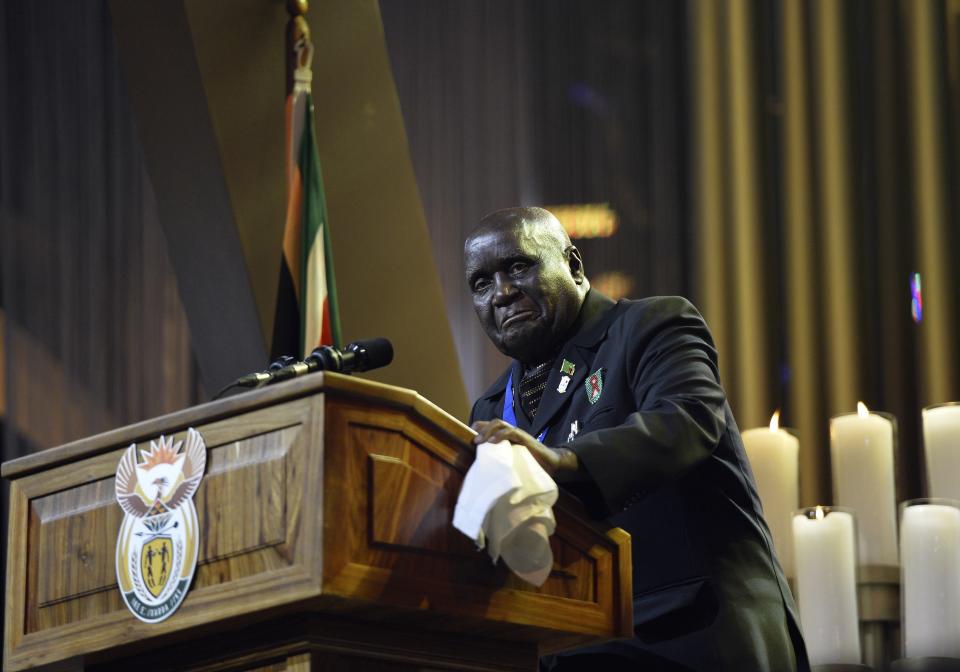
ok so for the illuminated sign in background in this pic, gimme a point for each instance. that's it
(593, 220)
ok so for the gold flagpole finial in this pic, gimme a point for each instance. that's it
(297, 7)
(298, 35)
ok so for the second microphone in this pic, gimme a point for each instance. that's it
(365, 355)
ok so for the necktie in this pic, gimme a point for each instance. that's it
(531, 388)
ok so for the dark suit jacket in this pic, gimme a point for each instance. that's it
(661, 457)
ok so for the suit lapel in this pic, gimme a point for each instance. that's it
(596, 316)
(598, 313)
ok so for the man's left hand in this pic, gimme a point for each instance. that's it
(558, 463)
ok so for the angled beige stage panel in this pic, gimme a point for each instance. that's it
(207, 84)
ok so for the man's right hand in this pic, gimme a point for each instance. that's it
(557, 463)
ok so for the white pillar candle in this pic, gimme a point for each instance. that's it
(930, 562)
(861, 451)
(825, 560)
(773, 455)
(941, 443)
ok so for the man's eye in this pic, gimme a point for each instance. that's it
(480, 286)
(519, 267)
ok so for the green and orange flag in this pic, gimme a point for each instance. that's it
(307, 314)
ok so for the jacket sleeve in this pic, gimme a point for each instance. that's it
(679, 420)
(483, 409)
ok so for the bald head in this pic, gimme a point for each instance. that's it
(526, 280)
(548, 227)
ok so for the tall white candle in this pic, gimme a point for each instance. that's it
(861, 451)
(825, 560)
(773, 455)
(941, 443)
(930, 562)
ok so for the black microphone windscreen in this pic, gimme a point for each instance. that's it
(374, 352)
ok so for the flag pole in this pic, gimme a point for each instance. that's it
(307, 312)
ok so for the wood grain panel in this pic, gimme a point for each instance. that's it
(391, 516)
(254, 553)
(422, 465)
(574, 573)
(408, 509)
(77, 532)
(76, 609)
(241, 503)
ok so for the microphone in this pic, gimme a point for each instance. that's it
(371, 353)
(260, 377)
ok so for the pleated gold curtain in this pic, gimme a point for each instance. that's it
(824, 173)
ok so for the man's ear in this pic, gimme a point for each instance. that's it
(576, 264)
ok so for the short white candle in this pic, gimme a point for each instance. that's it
(930, 561)
(861, 451)
(773, 455)
(825, 560)
(941, 443)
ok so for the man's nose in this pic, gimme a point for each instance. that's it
(504, 290)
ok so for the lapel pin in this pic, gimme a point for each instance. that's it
(574, 429)
(562, 387)
(594, 385)
(568, 367)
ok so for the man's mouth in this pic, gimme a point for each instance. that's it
(516, 317)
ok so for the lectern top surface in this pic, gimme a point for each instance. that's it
(322, 382)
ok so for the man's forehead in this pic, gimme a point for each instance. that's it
(510, 237)
(487, 249)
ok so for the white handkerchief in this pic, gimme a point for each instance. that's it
(506, 505)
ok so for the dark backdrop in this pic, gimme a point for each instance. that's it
(546, 102)
(765, 159)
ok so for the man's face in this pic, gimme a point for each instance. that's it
(524, 290)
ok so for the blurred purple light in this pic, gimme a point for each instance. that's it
(916, 298)
(584, 95)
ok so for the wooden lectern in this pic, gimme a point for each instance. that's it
(325, 543)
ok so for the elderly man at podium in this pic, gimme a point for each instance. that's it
(621, 403)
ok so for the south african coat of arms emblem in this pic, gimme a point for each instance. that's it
(159, 538)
